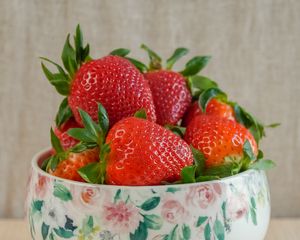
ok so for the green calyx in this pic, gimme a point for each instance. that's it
(198, 172)
(141, 114)
(94, 133)
(64, 113)
(72, 57)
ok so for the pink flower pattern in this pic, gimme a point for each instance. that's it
(121, 217)
(173, 211)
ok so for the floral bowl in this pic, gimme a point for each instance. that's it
(236, 208)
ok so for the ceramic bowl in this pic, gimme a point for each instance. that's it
(236, 208)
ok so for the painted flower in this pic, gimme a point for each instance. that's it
(86, 199)
(237, 206)
(53, 214)
(41, 186)
(173, 212)
(203, 195)
(121, 217)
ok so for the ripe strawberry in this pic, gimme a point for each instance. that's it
(144, 153)
(218, 138)
(68, 168)
(61, 132)
(114, 82)
(170, 95)
(214, 107)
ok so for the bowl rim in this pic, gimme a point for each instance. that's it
(41, 154)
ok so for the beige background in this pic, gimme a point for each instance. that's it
(256, 58)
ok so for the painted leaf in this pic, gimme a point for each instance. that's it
(172, 189)
(200, 221)
(174, 234)
(37, 205)
(207, 232)
(186, 232)
(219, 230)
(70, 224)
(61, 192)
(61, 232)
(253, 203)
(45, 230)
(150, 203)
(253, 216)
(117, 196)
(141, 233)
(153, 221)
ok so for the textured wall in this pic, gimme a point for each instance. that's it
(256, 58)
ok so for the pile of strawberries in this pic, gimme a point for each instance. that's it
(124, 123)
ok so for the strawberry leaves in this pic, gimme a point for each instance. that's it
(197, 84)
(72, 59)
(178, 53)
(141, 114)
(195, 65)
(122, 52)
(155, 60)
(93, 133)
(209, 94)
(64, 113)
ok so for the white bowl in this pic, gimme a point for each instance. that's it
(236, 207)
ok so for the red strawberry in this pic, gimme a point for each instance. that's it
(214, 107)
(68, 168)
(218, 138)
(144, 153)
(114, 82)
(61, 132)
(170, 95)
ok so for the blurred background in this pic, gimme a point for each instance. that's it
(256, 59)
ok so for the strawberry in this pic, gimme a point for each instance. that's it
(112, 80)
(214, 107)
(61, 132)
(170, 92)
(68, 168)
(144, 153)
(170, 95)
(219, 139)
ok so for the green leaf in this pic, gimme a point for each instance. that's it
(248, 151)
(253, 203)
(52, 163)
(224, 170)
(69, 225)
(209, 94)
(89, 125)
(174, 234)
(260, 154)
(139, 65)
(104, 151)
(197, 84)
(219, 230)
(117, 195)
(82, 146)
(206, 178)
(91, 172)
(63, 233)
(150, 204)
(122, 52)
(178, 130)
(55, 142)
(253, 215)
(263, 164)
(59, 80)
(44, 230)
(153, 221)
(82, 53)
(64, 113)
(195, 65)
(69, 57)
(103, 120)
(45, 163)
(37, 205)
(178, 53)
(173, 189)
(61, 192)
(207, 232)
(82, 134)
(201, 220)
(273, 125)
(188, 174)
(141, 114)
(199, 161)
(155, 60)
(141, 233)
(186, 232)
